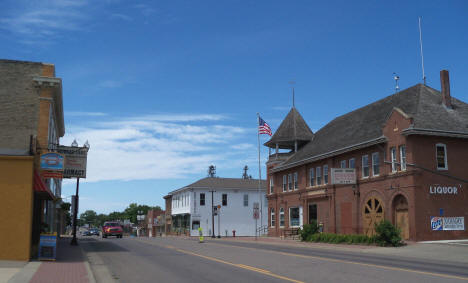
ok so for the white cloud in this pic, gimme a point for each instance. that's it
(79, 113)
(45, 19)
(121, 17)
(136, 148)
(242, 146)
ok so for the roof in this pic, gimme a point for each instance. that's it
(224, 183)
(363, 127)
(293, 128)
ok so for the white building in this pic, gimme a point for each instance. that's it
(234, 198)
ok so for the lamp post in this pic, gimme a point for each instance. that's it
(74, 242)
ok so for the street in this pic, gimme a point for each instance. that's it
(172, 259)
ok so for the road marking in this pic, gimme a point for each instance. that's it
(354, 262)
(243, 266)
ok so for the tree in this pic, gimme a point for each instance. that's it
(88, 217)
(65, 206)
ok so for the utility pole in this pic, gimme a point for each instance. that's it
(212, 214)
(74, 242)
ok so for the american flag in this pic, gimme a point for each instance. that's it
(263, 127)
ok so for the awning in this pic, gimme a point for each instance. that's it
(41, 188)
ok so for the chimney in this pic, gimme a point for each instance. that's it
(445, 88)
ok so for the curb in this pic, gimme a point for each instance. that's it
(26, 273)
(87, 266)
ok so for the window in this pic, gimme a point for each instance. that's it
(284, 183)
(352, 163)
(365, 166)
(311, 176)
(318, 175)
(246, 200)
(312, 213)
(343, 164)
(295, 180)
(289, 182)
(403, 158)
(224, 199)
(272, 217)
(195, 224)
(325, 174)
(393, 157)
(202, 199)
(281, 213)
(375, 164)
(294, 217)
(272, 188)
(441, 155)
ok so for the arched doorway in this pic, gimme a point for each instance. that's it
(372, 212)
(400, 212)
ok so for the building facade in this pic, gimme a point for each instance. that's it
(31, 123)
(407, 153)
(155, 220)
(191, 207)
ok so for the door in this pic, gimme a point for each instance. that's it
(372, 213)
(312, 213)
(402, 223)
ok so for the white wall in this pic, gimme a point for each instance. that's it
(234, 216)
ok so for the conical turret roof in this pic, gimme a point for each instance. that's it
(292, 129)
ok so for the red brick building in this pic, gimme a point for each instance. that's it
(408, 152)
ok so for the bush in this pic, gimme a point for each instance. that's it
(340, 238)
(387, 234)
(308, 230)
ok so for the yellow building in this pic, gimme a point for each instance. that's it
(31, 123)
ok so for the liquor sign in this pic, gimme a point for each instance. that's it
(75, 161)
(444, 190)
(52, 161)
(447, 223)
(343, 176)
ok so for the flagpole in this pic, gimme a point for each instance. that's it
(259, 172)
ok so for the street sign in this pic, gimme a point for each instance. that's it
(215, 210)
(256, 213)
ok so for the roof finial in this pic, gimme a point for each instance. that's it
(292, 83)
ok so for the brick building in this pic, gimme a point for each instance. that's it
(408, 152)
(155, 220)
(31, 123)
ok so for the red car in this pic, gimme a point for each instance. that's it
(112, 229)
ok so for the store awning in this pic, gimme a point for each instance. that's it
(41, 188)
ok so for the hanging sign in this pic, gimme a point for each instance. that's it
(75, 161)
(52, 161)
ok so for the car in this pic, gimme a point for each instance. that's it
(112, 228)
(86, 233)
(94, 231)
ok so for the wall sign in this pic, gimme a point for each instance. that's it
(52, 161)
(444, 190)
(447, 223)
(343, 176)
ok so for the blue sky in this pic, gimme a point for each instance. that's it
(163, 89)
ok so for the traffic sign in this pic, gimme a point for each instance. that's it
(256, 213)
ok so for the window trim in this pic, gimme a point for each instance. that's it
(281, 213)
(354, 163)
(295, 180)
(318, 175)
(246, 200)
(445, 157)
(272, 217)
(285, 183)
(312, 177)
(299, 217)
(402, 160)
(290, 187)
(222, 200)
(362, 166)
(393, 158)
(204, 199)
(272, 185)
(373, 164)
(343, 164)
(325, 177)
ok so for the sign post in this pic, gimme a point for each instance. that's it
(256, 216)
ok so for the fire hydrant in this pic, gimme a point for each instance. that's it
(233, 233)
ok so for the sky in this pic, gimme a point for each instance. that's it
(163, 89)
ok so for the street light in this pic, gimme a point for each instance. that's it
(74, 242)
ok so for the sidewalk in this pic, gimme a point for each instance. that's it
(70, 266)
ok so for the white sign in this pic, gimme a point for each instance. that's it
(75, 161)
(343, 176)
(447, 223)
(444, 190)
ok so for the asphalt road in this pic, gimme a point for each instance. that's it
(185, 260)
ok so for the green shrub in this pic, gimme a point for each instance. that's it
(387, 234)
(308, 230)
(340, 238)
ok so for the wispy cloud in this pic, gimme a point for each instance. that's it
(121, 17)
(281, 108)
(159, 146)
(44, 19)
(145, 9)
(110, 84)
(90, 114)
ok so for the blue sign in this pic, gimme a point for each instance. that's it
(48, 246)
(436, 223)
(52, 161)
(441, 212)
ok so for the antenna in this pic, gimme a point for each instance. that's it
(245, 175)
(212, 171)
(422, 54)
(396, 78)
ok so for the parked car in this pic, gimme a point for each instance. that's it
(86, 233)
(94, 231)
(112, 229)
